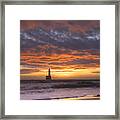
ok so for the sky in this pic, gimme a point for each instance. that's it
(70, 48)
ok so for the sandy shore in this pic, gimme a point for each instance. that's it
(83, 98)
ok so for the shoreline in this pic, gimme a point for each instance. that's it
(87, 97)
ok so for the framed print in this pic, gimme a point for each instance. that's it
(60, 60)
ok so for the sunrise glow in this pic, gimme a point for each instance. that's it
(71, 49)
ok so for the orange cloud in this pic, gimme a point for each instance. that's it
(71, 64)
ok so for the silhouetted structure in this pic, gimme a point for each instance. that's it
(48, 77)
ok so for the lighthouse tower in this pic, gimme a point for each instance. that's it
(48, 77)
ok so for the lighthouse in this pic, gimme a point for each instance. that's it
(48, 77)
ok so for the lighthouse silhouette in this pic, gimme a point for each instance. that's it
(48, 77)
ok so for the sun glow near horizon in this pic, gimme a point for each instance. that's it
(66, 74)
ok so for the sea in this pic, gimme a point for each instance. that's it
(60, 89)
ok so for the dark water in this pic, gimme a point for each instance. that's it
(59, 89)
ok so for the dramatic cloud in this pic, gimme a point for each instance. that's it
(28, 71)
(65, 46)
(72, 25)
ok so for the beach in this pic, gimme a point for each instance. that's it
(60, 90)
